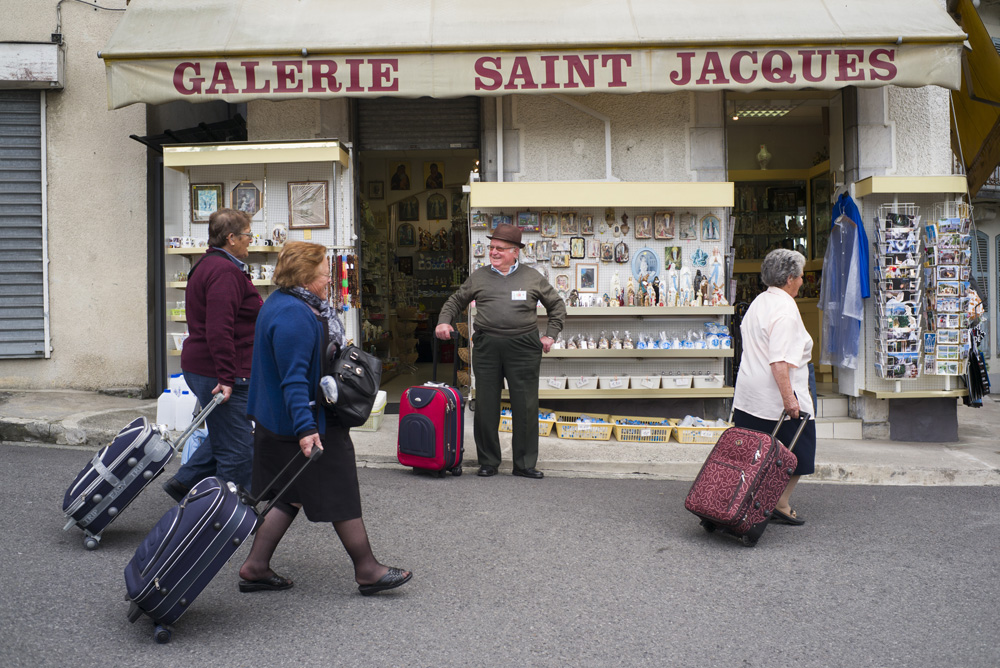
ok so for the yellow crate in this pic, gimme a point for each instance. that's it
(567, 427)
(506, 421)
(707, 435)
(649, 430)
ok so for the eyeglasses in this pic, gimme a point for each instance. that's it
(500, 249)
(243, 234)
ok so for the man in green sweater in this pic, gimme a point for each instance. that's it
(505, 344)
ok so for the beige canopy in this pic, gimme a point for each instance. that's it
(238, 50)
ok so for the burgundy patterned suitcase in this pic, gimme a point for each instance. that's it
(741, 481)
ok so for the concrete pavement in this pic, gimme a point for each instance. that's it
(89, 420)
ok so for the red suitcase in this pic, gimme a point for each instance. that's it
(740, 483)
(431, 426)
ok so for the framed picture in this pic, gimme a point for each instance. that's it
(663, 225)
(586, 277)
(643, 226)
(437, 207)
(689, 226)
(400, 179)
(711, 227)
(376, 190)
(307, 205)
(406, 264)
(405, 235)
(457, 205)
(562, 282)
(567, 223)
(502, 219)
(544, 252)
(672, 257)
(433, 175)
(560, 260)
(409, 209)
(550, 224)
(577, 248)
(607, 251)
(622, 253)
(586, 224)
(480, 221)
(527, 221)
(206, 199)
(246, 197)
(645, 265)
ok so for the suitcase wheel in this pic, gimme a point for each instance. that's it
(457, 471)
(708, 526)
(162, 633)
(91, 542)
(748, 541)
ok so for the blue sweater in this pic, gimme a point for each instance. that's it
(287, 364)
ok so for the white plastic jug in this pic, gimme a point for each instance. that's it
(166, 409)
(184, 408)
(177, 383)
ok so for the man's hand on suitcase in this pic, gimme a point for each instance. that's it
(443, 331)
(226, 390)
(307, 443)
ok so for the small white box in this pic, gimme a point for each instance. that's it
(582, 383)
(646, 383)
(552, 382)
(179, 338)
(676, 382)
(613, 382)
(711, 380)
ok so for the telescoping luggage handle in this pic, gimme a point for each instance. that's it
(435, 350)
(246, 498)
(198, 421)
(798, 432)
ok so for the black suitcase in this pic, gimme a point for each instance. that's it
(119, 472)
(190, 544)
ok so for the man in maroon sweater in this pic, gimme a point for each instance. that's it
(222, 305)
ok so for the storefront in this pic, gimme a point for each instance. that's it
(619, 94)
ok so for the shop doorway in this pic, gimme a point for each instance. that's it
(414, 157)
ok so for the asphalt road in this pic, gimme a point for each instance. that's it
(515, 572)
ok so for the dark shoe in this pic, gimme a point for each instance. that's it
(175, 490)
(394, 578)
(486, 470)
(793, 519)
(273, 583)
(528, 473)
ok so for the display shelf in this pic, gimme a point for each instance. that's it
(200, 250)
(641, 353)
(915, 394)
(682, 393)
(183, 284)
(174, 353)
(178, 318)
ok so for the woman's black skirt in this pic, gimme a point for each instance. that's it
(805, 448)
(327, 490)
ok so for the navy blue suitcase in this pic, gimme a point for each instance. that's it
(119, 472)
(190, 544)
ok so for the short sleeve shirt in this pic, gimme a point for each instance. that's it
(772, 331)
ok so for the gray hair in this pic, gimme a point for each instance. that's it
(780, 265)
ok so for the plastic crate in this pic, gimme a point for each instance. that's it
(567, 427)
(507, 425)
(581, 383)
(707, 435)
(649, 430)
(712, 380)
(374, 420)
(613, 382)
(552, 382)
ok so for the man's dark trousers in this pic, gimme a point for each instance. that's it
(517, 359)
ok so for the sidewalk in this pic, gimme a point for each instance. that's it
(89, 420)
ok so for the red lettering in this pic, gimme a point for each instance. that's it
(521, 70)
(780, 74)
(577, 66)
(289, 76)
(222, 77)
(807, 56)
(713, 66)
(684, 77)
(848, 64)
(736, 67)
(550, 71)
(616, 59)
(250, 67)
(355, 65)
(196, 82)
(382, 70)
(878, 64)
(323, 76)
(494, 75)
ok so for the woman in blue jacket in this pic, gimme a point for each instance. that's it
(293, 331)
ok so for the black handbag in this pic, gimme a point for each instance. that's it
(358, 375)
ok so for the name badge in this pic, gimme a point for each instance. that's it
(518, 295)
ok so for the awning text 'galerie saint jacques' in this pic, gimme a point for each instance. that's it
(202, 50)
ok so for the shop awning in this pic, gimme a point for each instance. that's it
(977, 104)
(202, 50)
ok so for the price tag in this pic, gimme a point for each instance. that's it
(681, 382)
(556, 383)
(647, 382)
(582, 381)
(615, 382)
(583, 426)
(644, 433)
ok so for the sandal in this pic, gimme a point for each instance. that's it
(786, 518)
(392, 579)
(273, 582)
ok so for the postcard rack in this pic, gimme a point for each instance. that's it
(898, 295)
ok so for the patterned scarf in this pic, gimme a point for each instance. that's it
(335, 328)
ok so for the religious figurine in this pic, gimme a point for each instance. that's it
(686, 292)
(630, 292)
(704, 292)
(656, 290)
(425, 240)
(624, 226)
(718, 299)
(616, 287)
(714, 271)
(574, 297)
(673, 286)
(697, 281)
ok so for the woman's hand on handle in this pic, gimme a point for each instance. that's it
(307, 443)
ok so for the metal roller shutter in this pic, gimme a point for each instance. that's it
(22, 253)
(400, 124)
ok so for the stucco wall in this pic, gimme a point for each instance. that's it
(96, 207)
(922, 120)
(298, 119)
